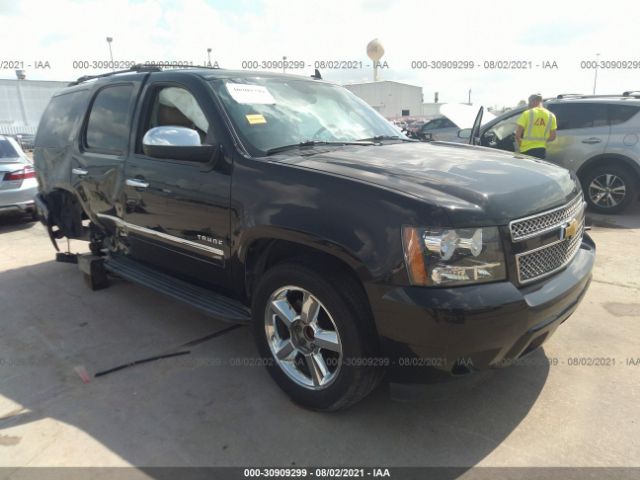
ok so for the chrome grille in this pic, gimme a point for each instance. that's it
(546, 260)
(540, 262)
(535, 225)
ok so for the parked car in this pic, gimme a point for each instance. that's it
(289, 204)
(598, 138)
(454, 118)
(18, 184)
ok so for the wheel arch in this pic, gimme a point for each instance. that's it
(66, 211)
(614, 158)
(265, 250)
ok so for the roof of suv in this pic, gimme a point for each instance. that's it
(207, 73)
(632, 96)
(612, 99)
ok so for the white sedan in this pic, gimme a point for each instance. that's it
(18, 183)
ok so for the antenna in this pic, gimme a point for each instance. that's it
(375, 51)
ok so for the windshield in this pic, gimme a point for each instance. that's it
(274, 112)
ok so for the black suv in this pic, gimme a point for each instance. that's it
(289, 204)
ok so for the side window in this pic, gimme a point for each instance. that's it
(579, 115)
(446, 123)
(621, 113)
(108, 126)
(175, 106)
(56, 125)
(430, 125)
(502, 135)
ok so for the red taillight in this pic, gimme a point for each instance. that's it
(26, 172)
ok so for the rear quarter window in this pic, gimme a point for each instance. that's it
(56, 127)
(622, 113)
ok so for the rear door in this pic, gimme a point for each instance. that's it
(97, 168)
(583, 132)
(177, 211)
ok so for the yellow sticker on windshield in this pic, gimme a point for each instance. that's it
(255, 119)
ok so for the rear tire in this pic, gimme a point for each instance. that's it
(327, 365)
(609, 190)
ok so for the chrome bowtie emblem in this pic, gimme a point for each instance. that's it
(569, 230)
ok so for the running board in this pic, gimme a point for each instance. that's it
(207, 301)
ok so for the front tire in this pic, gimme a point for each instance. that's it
(609, 190)
(312, 326)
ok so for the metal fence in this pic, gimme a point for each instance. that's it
(22, 103)
(16, 129)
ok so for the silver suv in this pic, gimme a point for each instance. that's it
(598, 138)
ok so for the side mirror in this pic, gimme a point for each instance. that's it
(176, 143)
(465, 133)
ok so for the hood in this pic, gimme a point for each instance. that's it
(464, 115)
(475, 185)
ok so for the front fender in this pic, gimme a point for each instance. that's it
(358, 222)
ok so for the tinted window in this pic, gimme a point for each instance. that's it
(579, 115)
(108, 126)
(621, 113)
(56, 125)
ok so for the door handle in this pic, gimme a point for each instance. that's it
(136, 183)
(592, 140)
(80, 172)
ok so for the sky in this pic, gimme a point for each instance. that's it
(540, 32)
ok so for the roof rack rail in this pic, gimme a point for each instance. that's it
(140, 67)
(567, 95)
(630, 93)
(136, 68)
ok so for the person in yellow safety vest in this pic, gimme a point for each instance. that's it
(536, 127)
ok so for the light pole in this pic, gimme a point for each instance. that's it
(109, 40)
(595, 75)
(209, 56)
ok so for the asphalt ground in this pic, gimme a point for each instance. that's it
(574, 403)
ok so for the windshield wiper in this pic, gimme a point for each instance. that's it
(313, 143)
(380, 138)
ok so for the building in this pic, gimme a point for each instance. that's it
(22, 103)
(390, 99)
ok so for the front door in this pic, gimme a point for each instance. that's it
(176, 212)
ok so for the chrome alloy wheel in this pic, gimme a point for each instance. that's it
(607, 190)
(303, 338)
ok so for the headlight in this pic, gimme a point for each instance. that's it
(447, 256)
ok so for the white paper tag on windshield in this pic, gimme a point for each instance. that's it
(251, 94)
